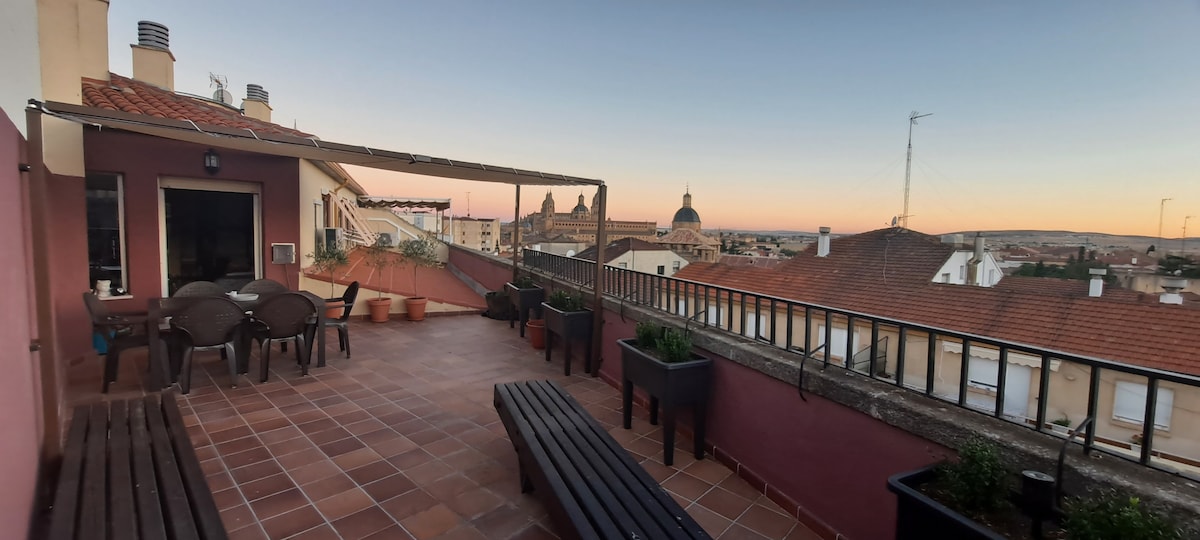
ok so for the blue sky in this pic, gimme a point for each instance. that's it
(783, 115)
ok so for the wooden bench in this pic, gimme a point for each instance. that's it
(591, 486)
(129, 471)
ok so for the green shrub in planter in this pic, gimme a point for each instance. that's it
(647, 334)
(566, 301)
(674, 346)
(1110, 516)
(978, 481)
(524, 282)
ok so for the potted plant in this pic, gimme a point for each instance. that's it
(418, 252)
(381, 259)
(661, 362)
(569, 318)
(327, 258)
(1061, 425)
(526, 296)
(1135, 443)
(976, 485)
(1112, 516)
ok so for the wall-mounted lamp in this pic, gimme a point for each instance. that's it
(212, 161)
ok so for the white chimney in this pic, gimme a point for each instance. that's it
(1172, 287)
(823, 242)
(1096, 286)
(257, 103)
(973, 277)
(153, 62)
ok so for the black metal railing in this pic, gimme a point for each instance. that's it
(810, 330)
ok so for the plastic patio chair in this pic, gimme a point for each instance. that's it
(341, 323)
(281, 317)
(263, 287)
(120, 332)
(208, 324)
(199, 288)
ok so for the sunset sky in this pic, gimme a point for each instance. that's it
(778, 115)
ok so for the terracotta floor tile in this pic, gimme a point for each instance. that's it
(345, 503)
(534, 532)
(449, 487)
(356, 458)
(342, 446)
(463, 532)
(237, 517)
(738, 532)
(314, 471)
(800, 532)
(386, 488)
(321, 532)
(301, 458)
(714, 524)
(279, 503)
(395, 532)
(428, 473)
(329, 435)
(688, 486)
(363, 523)
(328, 487)
(293, 522)
(739, 486)
(766, 522)
(474, 503)
(708, 470)
(724, 503)
(248, 457)
(411, 459)
(408, 504)
(372, 472)
(256, 471)
(432, 522)
(266, 487)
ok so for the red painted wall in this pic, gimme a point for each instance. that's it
(489, 272)
(20, 394)
(141, 160)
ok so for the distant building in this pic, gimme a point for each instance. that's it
(482, 234)
(580, 223)
(638, 255)
(686, 238)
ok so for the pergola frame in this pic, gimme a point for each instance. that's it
(313, 149)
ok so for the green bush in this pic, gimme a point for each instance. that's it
(524, 282)
(566, 301)
(978, 481)
(1110, 516)
(647, 334)
(674, 346)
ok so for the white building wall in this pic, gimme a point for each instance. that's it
(955, 270)
(649, 261)
(22, 73)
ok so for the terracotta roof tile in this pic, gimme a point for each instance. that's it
(132, 96)
(1121, 325)
(620, 247)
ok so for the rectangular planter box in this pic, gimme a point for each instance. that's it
(920, 518)
(570, 326)
(669, 385)
(525, 300)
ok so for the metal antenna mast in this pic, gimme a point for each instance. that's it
(1162, 204)
(912, 121)
(1183, 239)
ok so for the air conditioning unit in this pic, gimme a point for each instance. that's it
(283, 253)
(333, 237)
(386, 239)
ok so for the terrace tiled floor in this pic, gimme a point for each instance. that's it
(402, 441)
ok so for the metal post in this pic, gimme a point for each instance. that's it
(516, 238)
(46, 338)
(597, 286)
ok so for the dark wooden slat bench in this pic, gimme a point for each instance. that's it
(129, 472)
(591, 486)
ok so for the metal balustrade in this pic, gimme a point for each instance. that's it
(830, 335)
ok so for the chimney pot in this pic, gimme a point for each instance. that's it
(1096, 286)
(153, 35)
(257, 103)
(256, 92)
(1172, 287)
(823, 242)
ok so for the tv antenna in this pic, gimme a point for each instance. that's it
(912, 121)
(220, 82)
(468, 204)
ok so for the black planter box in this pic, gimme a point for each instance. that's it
(524, 300)
(571, 326)
(920, 518)
(669, 385)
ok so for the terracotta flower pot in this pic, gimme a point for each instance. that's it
(334, 309)
(380, 309)
(537, 333)
(415, 308)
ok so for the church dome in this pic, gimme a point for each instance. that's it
(579, 208)
(686, 215)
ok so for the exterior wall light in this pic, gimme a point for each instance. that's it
(212, 161)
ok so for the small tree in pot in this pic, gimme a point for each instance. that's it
(525, 296)
(327, 258)
(418, 252)
(381, 258)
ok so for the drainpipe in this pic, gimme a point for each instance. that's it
(516, 239)
(598, 284)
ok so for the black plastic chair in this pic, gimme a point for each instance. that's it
(120, 332)
(281, 317)
(341, 323)
(208, 324)
(199, 288)
(263, 287)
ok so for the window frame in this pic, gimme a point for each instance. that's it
(1137, 392)
(121, 238)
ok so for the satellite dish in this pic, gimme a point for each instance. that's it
(222, 95)
(570, 253)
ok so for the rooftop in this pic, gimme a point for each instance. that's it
(402, 441)
(620, 247)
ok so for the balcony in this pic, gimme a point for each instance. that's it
(402, 441)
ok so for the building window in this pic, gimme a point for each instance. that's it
(946, 277)
(674, 266)
(1129, 404)
(962, 272)
(105, 234)
(621, 265)
(662, 269)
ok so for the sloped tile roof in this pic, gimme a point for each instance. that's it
(620, 247)
(1129, 328)
(136, 97)
(687, 237)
